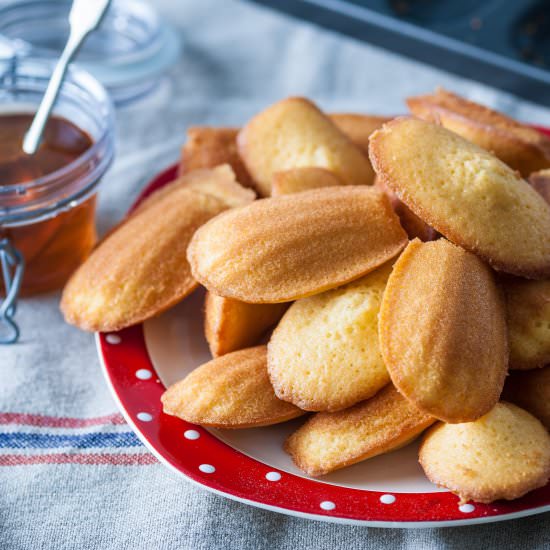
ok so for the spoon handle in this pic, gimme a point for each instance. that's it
(84, 17)
(34, 134)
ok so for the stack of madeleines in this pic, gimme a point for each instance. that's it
(390, 275)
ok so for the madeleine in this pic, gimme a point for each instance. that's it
(232, 391)
(324, 353)
(530, 390)
(411, 223)
(502, 455)
(466, 194)
(219, 182)
(528, 312)
(230, 325)
(518, 145)
(140, 269)
(302, 179)
(294, 133)
(207, 147)
(289, 247)
(330, 441)
(443, 333)
(359, 127)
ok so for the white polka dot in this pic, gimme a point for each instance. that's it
(144, 417)
(207, 468)
(273, 476)
(327, 505)
(144, 374)
(466, 508)
(387, 499)
(191, 434)
(113, 339)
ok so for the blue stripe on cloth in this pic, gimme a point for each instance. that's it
(21, 440)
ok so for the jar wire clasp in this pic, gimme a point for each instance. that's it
(13, 266)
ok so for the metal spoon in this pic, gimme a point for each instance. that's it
(85, 16)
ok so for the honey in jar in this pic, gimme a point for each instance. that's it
(54, 245)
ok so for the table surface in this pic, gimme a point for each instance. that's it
(74, 475)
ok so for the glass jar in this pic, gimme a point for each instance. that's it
(129, 52)
(51, 220)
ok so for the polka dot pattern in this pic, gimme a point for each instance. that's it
(466, 508)
(144, 417)
(207, 468)
(144, 374)
(273, 476)
(125, 351)
(191, 434)
(387, 499)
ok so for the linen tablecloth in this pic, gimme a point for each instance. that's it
(72, 474)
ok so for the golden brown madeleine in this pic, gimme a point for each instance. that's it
(232, 391)
(207, 147)
(140, 269)
(411, 223)
(294, 133)
(466, 194)
(518, 145)
(540, 181)
(218, 181)
(502, 455)
(443, 332)
(359, 127)
(330, 441)
(528, 310)
(530, 390)
(230, 325)
(297, 180)
(324, 354)
(283, 248)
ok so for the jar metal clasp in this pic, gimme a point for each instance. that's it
(12, 264)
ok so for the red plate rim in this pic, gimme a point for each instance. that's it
(205, 460)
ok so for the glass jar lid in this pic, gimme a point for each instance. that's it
(131, 49)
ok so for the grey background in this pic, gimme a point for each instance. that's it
(237, 58)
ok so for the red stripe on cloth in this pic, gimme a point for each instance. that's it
(96, 459)
(59, 422)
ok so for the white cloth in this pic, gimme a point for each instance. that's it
(237, 58)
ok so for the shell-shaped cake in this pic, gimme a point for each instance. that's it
(140, 269)
(232, 391)
(502, 455)
(230, 325)
(443, 331)
(528, 311)
(324, 354)
(330, 441)
(295, 133)
(520, 146)
(284, 248)
(465, 193)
